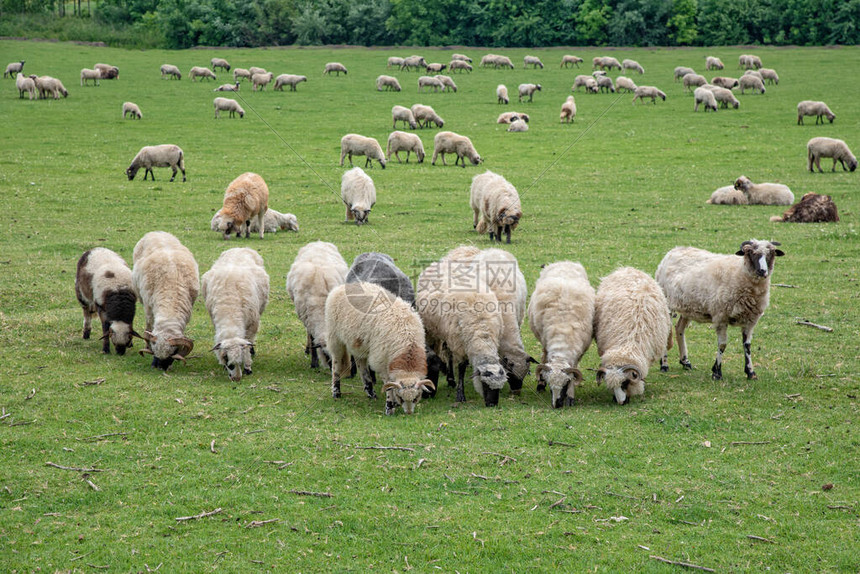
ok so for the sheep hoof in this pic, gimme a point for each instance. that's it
(541, 387)
(752, 376)
(687, 366)
(335, 393)
(664, 368)
(247, 371)
(390, 407)
(569, 401)
(87, 334)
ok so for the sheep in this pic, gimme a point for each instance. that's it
(632, 65)
(228, 88)
(605, 83)
(561, 316)
(335, 67)
(589, 83)
(509, 117)
(413, 62)
(388, 83)
(459, 65)
(273, 221)
(25, 84)
(495, 205)
(693, 81)
(818, 148)
(103, 286)
(728, 195)
(219, 63)
(317, 269)
(812, 108)
(447, 82)
(487, 60)
(642, 92)
(719, 289)
(256, 70)
(723, 82)
(568, 60)
(750, 82)
(598, 73)
(165, 155)
(749, 61)
(624, 83)
(568, 110)
(770, 75)
(429, 81)
(241, 73)
(812, 208)
(246, 198)
(48, 85)
(132, 109)
(723, 96)
(502, 94)
(201, 72)
(425, 114)
(449, 142)
(13, 69)
(291, 80)
(358, 195)
(166, 280)
(706, 97)
(682, 71)
(260, 81)
(503, 62)
(107, 71)
(755, 73)
(632, 327)
(460, 58)
(534, 61)
(399, 113)
(528, 90)
(171, 71)
(236, 291)
(88, 74)
(355, 144)
(227, 105)
(764, 193)
(713, 63)
(605, 62)
(402, 141)
(435, 67)
(394, 61)
(379, 268)
(518, 125)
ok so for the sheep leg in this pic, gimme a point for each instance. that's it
(682, 342)
(369, 378)
(349, 214)
(340, 366)
(748, 364)
(475, 215)
(260, 223)
(105, 334)
(174, 173)
(461, 375)
(148, 171)
(449, 371)
(717, 369)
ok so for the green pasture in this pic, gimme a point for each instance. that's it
(733, 475)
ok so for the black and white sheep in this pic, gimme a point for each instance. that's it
(13, 69)
(165, 155)
(355, 144)
(502, 94)
(528, 90)
(818, 148)
(107, 71)
(510, 117)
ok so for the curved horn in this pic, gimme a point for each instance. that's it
(178, 357)
(631, 370)
(184, 344)
(148, 336)
(143, 352)
(575, 373)
(135, 334)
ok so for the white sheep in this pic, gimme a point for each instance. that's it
(682, 71)
(728, 195)
(812, 108)
(227, 105)
(706, 97)
(201, 72)
(751, 82)
(236, 291)
(502, 94)
(568, 60)
(447, 82)
(495, 205)
(219, 63)
(358, 195)
(755, 73)
(171, 71)
(165, 155)
(449, 142)
(424, 115)
(605, 62)
(291, 80)
(402, 141)
(818, 148)
(694, 81)
(132, 109)
(245, 199)
(334, 67)
(13, 69)
(724, 82)
(256, 70)
(459, 65)
(25, 84)
(769, 75)
(534, 61)
(107, 71)
(764, 193)
(510, 117)
(260, 81)
(88, 74)
(461, 58)
(589, 83)
(503, 62)
(436, 67)
(723, 96)
(624, 83)
(47, 85)
(104, 287)
(642, 92)
(166, 280)
(568, 110)
(713, 63)
(355, 144)
(394, 62)
(487, 60)
(632, 326)
(273, 222)
(605, 83)
(431, 82)
(561, 316)
(632, 65)
(241, 73)
(401, 114)
(518, 125)
(228, 88)
(749, 61)
(413, 62)
(528, 90)
(388, 83)
(719, 289)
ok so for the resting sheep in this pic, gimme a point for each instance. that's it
(624, 83)
(425, 114)
(568, 60)
(227, 88)
(107, 71)
(245, 199)
(402, 141)
(429, 82)
(495, 206)
(13, 69)
(751, 82)
(528, 90)
(534, 61)
(171, 71)
(723, 82)
(817, 109)
(165, 155)
(291, 80)
(273, 222)
(447, 82)
(132, 109)
(236, 291)
(502, 94)
(25, 84)
(812, 208)
(260, 81)
(764, 193)
(713, 63)
(568, 110)
(642, 92)
(818, 148)
(388, 83)
(201, 72)
(509, 117)
(632, 65)
(335, 67)
(449, 142)
(88, 74)
(518, 125)
(728, 195)
(719, 289)
(355, 144)
(219, 63)
(358, 195)
(227, 105)
(706, 97)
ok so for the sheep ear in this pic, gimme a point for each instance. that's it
(778, 252)
(632, 373)
(742, 250)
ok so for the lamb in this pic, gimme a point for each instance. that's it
(25, 84)
(643, 92)
(171, 71)
(460, 58)
(219, 63)
(107, 71)
(723, 96)
(236, 291)
(401, 114)
(246, 198)
(632, 65)
(713, 63)
(165, 279)
(429, 81)
(534, 61)
(568, 60)
(818, 148)
(723, 82)
(413, 62)
(317, 269)
(241, 73)
(228, 88)
(425, 114)
(335, 67)
(769, 75)
(624, 83)
(589, 83)
(201, 72)
(165, 155)
(358, 195)
(394, 61)
(402, 141)
(720, 289)
(764, 193)
(632, 327)
(817, 109)
(103, 286)
(568, 110)
(387, 82)
(518, 125)
(693, 81)
(88, 74)
(605, 83)
(48, 85)
(435, 67)
(132, 109)
(354, 144)
(13, 69)
(706, 97)
(528, 90)
(502, 94)
(750, 82)
(812, 208)
(682, 71)
(561, 316)
(728, 195)
(509, 117)
(227, 105)
(449, 142)
(273, 221)
(459, 65)
(447, 82)
(291, 80)
(260, 81)
(495, 205)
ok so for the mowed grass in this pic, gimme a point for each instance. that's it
(688, 472)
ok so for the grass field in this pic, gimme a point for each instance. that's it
(690, 472)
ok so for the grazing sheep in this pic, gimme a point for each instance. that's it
(219, 63)
(459, 65)
(448, 83)
(255, 70)
(354, 144)
(13, 69)
(605, 63)
(682, 71)
(528, 90)
(487, 60)
(769, 75)
(241, 73)
(103, 286)
(764, 193)
(201, 72)
(749, 61)
(751, 82)
(317, 269)
(812, 108)
(495, 205)
(755, 73)
(48, 85)
(388, 83)
(402, 141)
(88, 74)
(713, 63)
(413, 62)
(812, 208)
(567, 60)
(605, 83)
(431, 82)
(166, 280)
(589, 83)
(503, 62)
(425, 114)
(461, 58)
(165, 155)
(435, 67)
(260, 81)
(728, 195)
(236, 291)
(358, 195)
(723, 82)
(624, 83)
(394, 61)
(723, 96)
(510, 117)
(228, 88)
(632, 65)
(561, 316)
(534, 61)
(401, 114)
(291, 80)
(706, 97)
(719, 289)
(25, 84)
(107, 71)
(245, 199)
(568, 110)
(171, 71)
(642, 92)
(632, 327)
(133, 109)
(518, 125)
(598, 73)
(335, 67)
(818, 148)
(502, 94)
(227, 105)
(693, 81)
(449, 142)
(273, 221)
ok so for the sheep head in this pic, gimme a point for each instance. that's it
(131, 171)
(229, 225)
(121, 335)
(360, 215)
(406, 393)
(562, 380)
(759, 257)
(165, 350)
(743, 183)
(624, 382)
(235, 355)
